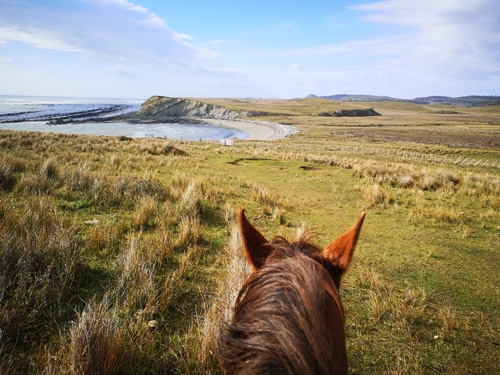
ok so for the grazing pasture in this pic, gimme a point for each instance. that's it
(120, 256)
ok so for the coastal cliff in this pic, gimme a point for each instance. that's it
(160, 108)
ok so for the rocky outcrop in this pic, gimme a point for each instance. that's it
(158, 108)
(350, 113)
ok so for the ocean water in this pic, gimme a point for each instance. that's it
(30, 113)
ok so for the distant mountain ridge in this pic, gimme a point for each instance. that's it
(463, 101)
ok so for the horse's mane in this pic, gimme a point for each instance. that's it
(284, 320)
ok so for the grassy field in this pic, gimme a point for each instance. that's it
(120, 256)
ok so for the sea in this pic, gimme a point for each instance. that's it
(34, 113)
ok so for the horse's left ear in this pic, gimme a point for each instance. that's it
(339, 251)
(256, 247)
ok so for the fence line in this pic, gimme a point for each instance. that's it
(403, 154)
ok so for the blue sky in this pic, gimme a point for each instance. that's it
(125, 49)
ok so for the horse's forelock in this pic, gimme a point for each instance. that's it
(303, 245)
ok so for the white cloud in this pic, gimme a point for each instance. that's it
(217, 42)
(111, 30)
(184, 36)
(37, 37)
(5, 59)
(373, 46)
(149, 17)
(297, 67)
(460, 36)
(229, 72)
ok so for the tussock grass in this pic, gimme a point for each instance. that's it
(49, 169)
(40, 266)
(279, 215)
(9, 166)
(145, 213)
(270, 201)
(35, 184)
(189, 228)
(136, 286)
(434, 214)
(191, 198)
(106, 236)
(448, 316)
(377, 195)
(99, 343)
(200, 347)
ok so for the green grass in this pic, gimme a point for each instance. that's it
(120, 255)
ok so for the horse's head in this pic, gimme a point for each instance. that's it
(288, 318)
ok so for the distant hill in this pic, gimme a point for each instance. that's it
(360, 98)
(463, 101)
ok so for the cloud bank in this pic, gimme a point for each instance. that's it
(458, 35)
(109, 30)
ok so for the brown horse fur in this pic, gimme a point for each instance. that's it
(288, 318)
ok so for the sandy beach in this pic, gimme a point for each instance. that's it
(257, 130)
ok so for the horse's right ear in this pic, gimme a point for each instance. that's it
(256, 247)
(339, 251)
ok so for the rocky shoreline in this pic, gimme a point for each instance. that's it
(155, 110)
(81, 115)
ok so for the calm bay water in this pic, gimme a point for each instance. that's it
(31, 113)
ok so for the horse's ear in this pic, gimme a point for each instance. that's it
(339, 251)
(256, 247)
